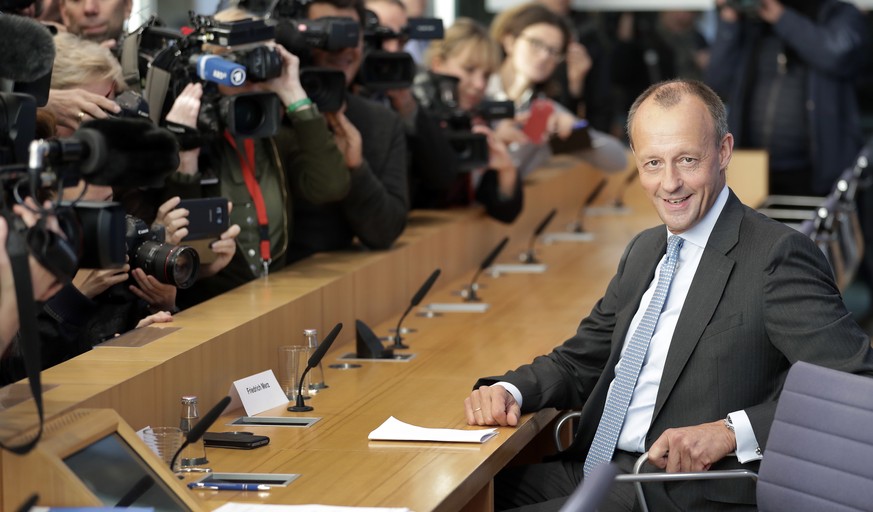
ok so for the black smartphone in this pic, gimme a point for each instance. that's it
(235, 440)
(208, 217)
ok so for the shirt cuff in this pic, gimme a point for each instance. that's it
(748, 449)
(512, 391)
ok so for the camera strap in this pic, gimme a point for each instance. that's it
(247, 163)
(28, 334)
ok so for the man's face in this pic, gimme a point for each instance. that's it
(391, 16)
(347, 60)
(97, 20)
(681, 166)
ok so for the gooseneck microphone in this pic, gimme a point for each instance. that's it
(469, 293)
(577, 227)
(416, 300)
(201, 426)
(530, 256)
(619, 197)
(314, 359)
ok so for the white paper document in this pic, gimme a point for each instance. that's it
(254, 507)
(395, 430)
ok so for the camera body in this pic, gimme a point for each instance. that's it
(146, 249)
(243, 56)
(438, 94)
(382, 70)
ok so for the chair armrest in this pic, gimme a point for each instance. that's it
(638, 479)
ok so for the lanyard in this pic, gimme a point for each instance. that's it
(247, 163)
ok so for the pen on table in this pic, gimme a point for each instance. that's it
(224, 486)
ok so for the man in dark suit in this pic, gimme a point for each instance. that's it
(685, 355)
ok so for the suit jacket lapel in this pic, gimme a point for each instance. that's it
(703, 297)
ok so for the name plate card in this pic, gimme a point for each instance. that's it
(257, 393)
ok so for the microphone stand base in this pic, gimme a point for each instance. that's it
(300, 408)
(568, 237)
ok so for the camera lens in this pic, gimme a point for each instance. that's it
(168, 263)
(248, 115)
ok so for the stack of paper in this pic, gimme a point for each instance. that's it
(395, 430)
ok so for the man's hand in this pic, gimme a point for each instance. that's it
(770, 11)
(347, 137)
(492, 405)
(73, 106)
(694, 448)
(403, 102)
(579, 63)
(727, 14)
(184, 111)
(161, 317)
(174, 220)
(157, 294)
(224, 247)
(93, 282)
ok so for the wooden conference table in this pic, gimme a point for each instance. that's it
(237, 335)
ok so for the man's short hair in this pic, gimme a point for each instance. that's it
(669, 93)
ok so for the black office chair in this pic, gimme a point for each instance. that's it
(819, 451)
(593, 490)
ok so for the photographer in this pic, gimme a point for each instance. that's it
(373, 143)
(433, 165)
(468, 53)
(787, 71)
(300, 161)
(534, 41)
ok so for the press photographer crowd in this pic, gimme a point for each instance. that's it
(147, 170)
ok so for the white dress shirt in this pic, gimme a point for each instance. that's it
(642, 405)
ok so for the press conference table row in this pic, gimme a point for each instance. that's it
(237, 335)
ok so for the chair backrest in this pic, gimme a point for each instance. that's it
(593, 490)
(819, 454)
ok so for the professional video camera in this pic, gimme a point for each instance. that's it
(438, 95)
(382, 70)
(243, 57)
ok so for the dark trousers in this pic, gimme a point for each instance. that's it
(545, 487)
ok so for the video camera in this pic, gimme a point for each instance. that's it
(243, 57)
(382, 70)
(438, 94)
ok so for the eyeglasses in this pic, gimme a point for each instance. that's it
(553, 53)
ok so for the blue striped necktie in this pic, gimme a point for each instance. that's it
(615, 410)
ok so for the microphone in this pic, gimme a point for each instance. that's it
(28, 49)
(201, 426)
(469, 293)
(220, 71)
(314, 359)
(619, 198)
(576, 226)
(122, 152)
(416, 299)
(530, 256)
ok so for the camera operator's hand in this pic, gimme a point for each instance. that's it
(93, 282)
(157, 294)
(45, 284)
(347, 137)
(403, 102)
(8, 300)
(508, 131)
(287, 85)
(161, 317)
(184, 111)
(771, 10)
(561, 123)
(174, 220)
(73, 106)
(499, 160)
(224, 248)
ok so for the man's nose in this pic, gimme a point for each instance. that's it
(92, 6)
(672, 179)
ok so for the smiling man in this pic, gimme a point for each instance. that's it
(97, 20)
(686, 353)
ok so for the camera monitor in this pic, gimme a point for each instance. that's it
(91, 457)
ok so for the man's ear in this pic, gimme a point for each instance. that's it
(508, 42)
(725, 151)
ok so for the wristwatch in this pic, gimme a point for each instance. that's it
(729, 424)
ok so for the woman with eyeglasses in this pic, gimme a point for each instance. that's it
(534, 41)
